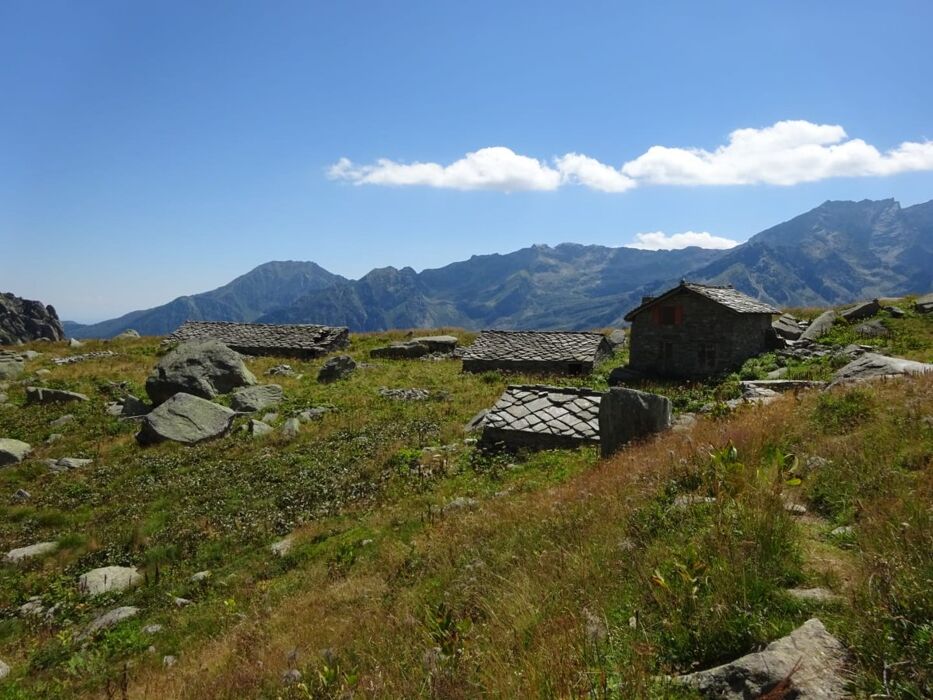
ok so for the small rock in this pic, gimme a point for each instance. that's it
(33, 550)
(32, 608)
(114, 409)
(281, 371)
(128, 334)
(336, 368)
(461, 503)
(691, 499)
(168, 661)
(13, 451)
(256, 398)
(843, 531)
(62, 420)
(75, 343)
(290, 428)
(814, 595)
(283, 546)
(4, 670)
(200, 576)
(291, 676)
(778, 373)
(109, 578)
(109, 619)
(66, 463)
(134, 407)
(31, 354)
(181, 602)
(152, 629)
(257, 428)
(41, 395)
(269, 418)
(21, 496)
(43, 372)
(795, 508)
(405, 394)
(186, 419)
(314, 413)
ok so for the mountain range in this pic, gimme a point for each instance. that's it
(836, 253)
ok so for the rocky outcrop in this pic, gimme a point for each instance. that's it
(862, 310)
(627, 414)
(809, 662)
(186, 419)
(787, 327)
(924, 304)
(109, 578)
(23, 320)
(34, 550)
(820, 326)
(202, 368)
(13, 451)
(874, 366)
(41, 395)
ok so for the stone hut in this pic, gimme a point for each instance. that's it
(542, 418)
(302, 341)
(696, 330)
(536, 352)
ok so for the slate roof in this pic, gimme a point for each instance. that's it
(547, 410)
(299, 339)
(727, 296)
(544, 346)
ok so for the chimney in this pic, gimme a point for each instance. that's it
(646, 300)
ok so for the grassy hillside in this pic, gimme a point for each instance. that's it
(421, 568)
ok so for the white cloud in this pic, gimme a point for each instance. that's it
(495, 168)
(785, 153)
(658, 240)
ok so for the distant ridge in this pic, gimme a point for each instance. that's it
(836, 253)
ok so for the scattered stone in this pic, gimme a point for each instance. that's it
(168, 660)
(810, 657)
(32, 608)
(270, 417)
(109, 619)
(34, 550)
(617, 339)
(133, 407)
(864, 309)
(114, 408)
(4, 670)
(11, 365)
(443, 345)
(336, 368)
(41, 395)
(43, 372)
(843, 531)
(778, 373)
(874, 366)
(152, 629)
(895, 311)
(405, 394)
(126, 335)
(62, 420)
(795, 508)
(924, 304)
(476, 422)
(314, 413)
(873, 329)
(31, 354)
(75, 343)
(3, 398)
(21, 496)
(65, 463)
(256, 398)
(181, 602)
(814, 595)
(281, 371)
(283, 546)
(624, 375)
(628, 414)
(200, 576)
(202, 368)
(74, 359)
(820, 326)
(684, 423)
(290, 428)
(109, 578)
(186, 419)
(257, 428)
(13, 451)
(461, 503)
(787, 327)
(291, 676)
(691, 499)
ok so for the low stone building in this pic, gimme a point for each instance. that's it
(696, 330)
(536, 352)
(302, 341)
(535, 417)
(542, 417)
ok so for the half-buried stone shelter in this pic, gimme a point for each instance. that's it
(696, 330)
(536, 352)
(302, 341)
(542, 417)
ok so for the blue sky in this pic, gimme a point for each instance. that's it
(149, 150)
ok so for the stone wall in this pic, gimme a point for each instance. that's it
(627, 414)
(704, 339)
(568, 367)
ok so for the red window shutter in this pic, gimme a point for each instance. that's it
(656, 315)
(678, 315)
